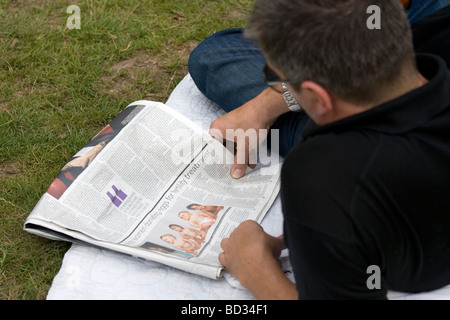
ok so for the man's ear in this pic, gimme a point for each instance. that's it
(318, 98)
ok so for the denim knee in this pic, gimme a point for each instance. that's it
(202, 58)
(227, 69)
(196, 69)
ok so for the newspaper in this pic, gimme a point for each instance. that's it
(154, 185)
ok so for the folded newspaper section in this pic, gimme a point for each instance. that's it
(154, 185)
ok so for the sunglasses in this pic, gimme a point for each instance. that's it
(273, 80)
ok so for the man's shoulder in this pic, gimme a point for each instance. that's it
(329, 155)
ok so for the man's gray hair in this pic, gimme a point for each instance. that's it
(330, 43)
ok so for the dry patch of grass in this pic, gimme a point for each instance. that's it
(9, 169)
(155, 75)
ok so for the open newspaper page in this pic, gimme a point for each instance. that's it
(155, 186)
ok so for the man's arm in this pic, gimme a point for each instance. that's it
(259, 113)
(250, 255)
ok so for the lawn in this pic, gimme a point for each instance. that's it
(60, 86)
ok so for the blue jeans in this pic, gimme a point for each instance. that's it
(422, 8)
(228, 70)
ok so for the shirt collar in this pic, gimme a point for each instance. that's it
(405, 113)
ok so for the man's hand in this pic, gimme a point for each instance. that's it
(248, 245)
(246, 127)
(250, 255)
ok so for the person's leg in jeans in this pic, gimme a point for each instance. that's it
(227, 69)
(422, 8)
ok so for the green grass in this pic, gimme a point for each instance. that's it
(59, 87)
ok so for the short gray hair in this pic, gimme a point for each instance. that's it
(329, 42)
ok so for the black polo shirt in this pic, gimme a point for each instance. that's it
(373, 190)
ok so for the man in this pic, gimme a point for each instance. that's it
(367, 186)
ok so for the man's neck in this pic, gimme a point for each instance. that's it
(346, 109)
(409, 84)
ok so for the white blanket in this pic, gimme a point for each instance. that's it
(89, 273)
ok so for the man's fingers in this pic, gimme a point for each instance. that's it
(222, 259)
(238, 171)
(223, 244)
(216, 134)
(244, 144)
(240, 162)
